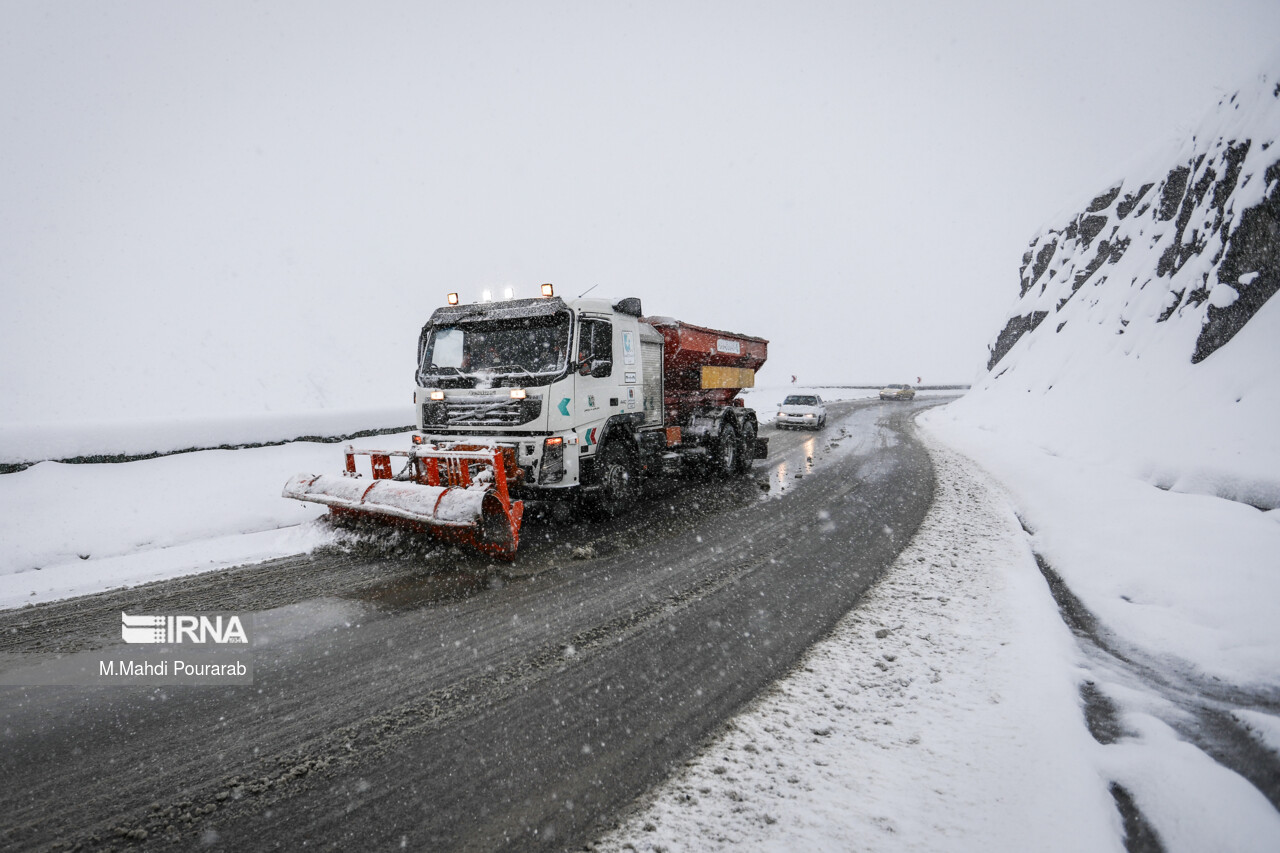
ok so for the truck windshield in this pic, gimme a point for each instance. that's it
(512, 349)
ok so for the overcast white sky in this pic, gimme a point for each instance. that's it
(235, 206)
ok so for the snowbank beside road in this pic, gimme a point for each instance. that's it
(77, 529)
(1132, 400)
(27, 443)
(1186, 578)
(1142, 408)
(1146, 333)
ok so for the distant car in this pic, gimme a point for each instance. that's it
(804, 410)
(897, 392)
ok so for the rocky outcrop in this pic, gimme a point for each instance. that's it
(1195, 245)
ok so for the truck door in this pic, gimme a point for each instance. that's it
(601, 388)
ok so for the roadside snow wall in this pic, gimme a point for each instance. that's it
(1145, 335)
(22, 445)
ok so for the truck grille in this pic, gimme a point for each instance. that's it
(480, 411)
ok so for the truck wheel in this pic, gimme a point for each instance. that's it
(747, 449)
(725, 463)
(619, 484)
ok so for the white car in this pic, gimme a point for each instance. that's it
(802, 410)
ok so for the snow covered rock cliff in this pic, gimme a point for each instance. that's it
(1144, 335)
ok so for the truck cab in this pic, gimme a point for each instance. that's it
(551, 377)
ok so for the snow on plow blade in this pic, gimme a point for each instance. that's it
(459, 495)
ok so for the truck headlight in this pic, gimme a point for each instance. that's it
(552, 468)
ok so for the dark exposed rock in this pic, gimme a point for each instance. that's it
(1236, 152)
(1103, 201)
(1090, 227)
(1184, 246)
(1031, 274)
(1108, 253)
(1171, 195)
(1168, 312)
(1126, 205)
(1165, 266)
(1254, 248)
(1013, 330)
(1042, 259)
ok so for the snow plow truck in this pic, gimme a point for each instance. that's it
(551, 399)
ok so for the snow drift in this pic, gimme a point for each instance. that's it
(1144, 334)
(1130, 402)
(106, 441)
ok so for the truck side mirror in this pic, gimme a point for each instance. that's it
(600, 369)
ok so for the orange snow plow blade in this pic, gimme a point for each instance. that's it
(459, 494)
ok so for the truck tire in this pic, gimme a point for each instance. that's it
(726, 451)
(747, 447)
(619, 482)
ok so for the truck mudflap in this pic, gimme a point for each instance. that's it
(761, 449)
(457, 495)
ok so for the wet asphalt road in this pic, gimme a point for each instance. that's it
(411, 696)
